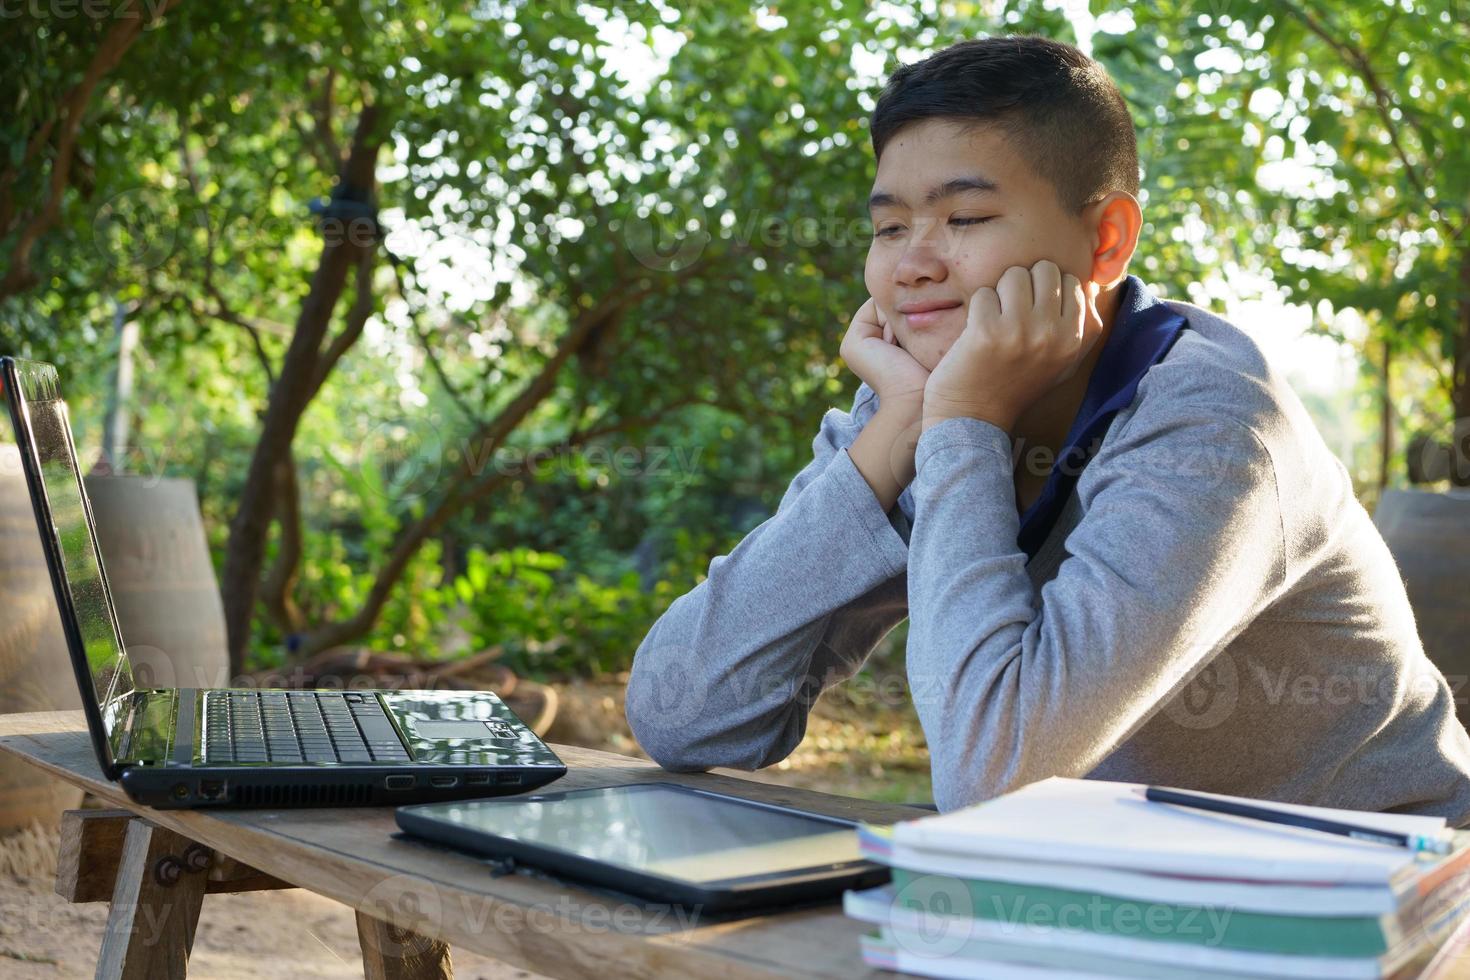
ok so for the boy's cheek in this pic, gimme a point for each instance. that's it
(926, 349)
(874, 282)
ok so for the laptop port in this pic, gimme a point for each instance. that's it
(181, 791)
(212, 789)
(508, 778)
(444, 781)
(398, 782)
(478, 779)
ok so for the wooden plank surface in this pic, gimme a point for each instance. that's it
(551, 927)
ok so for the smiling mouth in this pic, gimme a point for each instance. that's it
(929, 316)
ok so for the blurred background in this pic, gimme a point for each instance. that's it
(478, 329)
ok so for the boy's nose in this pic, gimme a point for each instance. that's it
(921, 262)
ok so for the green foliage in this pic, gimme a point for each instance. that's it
(552, 623)
(1324, 145)
(713, 208)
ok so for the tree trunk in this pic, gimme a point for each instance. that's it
(120, 397)
(1385, 419)
(298, 380)
(1460, 391)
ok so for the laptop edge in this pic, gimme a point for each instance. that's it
(152, 742)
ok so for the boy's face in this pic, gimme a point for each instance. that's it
(940, 252)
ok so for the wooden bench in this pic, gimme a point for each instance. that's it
(413, 900)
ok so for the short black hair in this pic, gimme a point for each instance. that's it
(1061, 107)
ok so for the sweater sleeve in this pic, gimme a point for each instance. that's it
(1181, 546)
(727, 674)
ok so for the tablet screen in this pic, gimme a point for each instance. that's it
(663, 830)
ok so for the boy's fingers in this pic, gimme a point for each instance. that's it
(1046, 283)
(1014, 290)
(1072, 303)
(985, 306)
(887, 334)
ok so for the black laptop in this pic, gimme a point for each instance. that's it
(182, 747)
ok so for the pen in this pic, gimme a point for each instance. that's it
(1414, 842)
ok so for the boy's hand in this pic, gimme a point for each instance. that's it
(872, 353)
(1021, 339)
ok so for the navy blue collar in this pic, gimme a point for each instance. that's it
(1142, 334)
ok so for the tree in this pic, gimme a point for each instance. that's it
(50, 97)
(508, 130)
(264, 187)
(1337, 161)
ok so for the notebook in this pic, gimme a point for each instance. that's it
(1002, 957)
(1109, 825)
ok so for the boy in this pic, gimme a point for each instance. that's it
(1123, 547)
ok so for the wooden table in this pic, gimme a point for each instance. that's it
(413, 900)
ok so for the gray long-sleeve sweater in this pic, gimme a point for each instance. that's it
(1211, 608)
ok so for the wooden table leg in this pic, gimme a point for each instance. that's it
(153, 877)
(92, 849)
(155, 908)
(157, 881)
(390, 952)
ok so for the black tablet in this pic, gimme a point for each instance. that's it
(668, 843)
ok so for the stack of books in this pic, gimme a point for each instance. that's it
(1076, 877)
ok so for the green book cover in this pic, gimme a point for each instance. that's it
(1033, 906)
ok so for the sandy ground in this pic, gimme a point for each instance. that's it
(289, 933)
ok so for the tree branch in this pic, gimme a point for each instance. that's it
(357, 317)
(127, 25)
(412, 538)
(603, 315)
(1383, 101)
(322, 111)
(455, 395)
(277, 586)
(222, 310)
(224, 314)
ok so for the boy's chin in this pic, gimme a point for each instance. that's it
(928, 351)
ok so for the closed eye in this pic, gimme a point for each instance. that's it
(889, 231)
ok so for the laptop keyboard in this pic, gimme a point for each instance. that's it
(298, 726)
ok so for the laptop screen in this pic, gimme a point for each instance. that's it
(50, 435)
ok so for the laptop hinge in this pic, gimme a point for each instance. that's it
(149, 736)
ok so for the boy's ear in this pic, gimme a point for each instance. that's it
(1116, 220)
